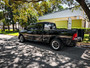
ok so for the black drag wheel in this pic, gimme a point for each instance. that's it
(56, 44)
(22, 39)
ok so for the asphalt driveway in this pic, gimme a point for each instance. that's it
(14, 54)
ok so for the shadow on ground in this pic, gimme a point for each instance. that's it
(14, 54)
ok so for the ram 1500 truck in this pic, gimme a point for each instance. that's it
(47, 32)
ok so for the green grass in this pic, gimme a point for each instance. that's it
(13, 34)
(9, 32)
(86, 38)
(86, 35)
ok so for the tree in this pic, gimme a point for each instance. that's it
(4, 23)
(46, 7)
(50, 7)
(82, 3)
(18, 11)
(85, 7)
(56, 5)
(1, 15)
(7, 11)
(69, 2)
(23, 13)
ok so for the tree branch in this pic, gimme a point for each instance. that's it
(29, 0)
(85, 8)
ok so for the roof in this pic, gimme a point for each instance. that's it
(61, 14)
(41, 23)
(45, 23)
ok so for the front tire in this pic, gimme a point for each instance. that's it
(56, 44)
(22, 39)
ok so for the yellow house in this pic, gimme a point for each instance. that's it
(61, 18)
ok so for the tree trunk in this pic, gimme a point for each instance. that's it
(13, 27)
(85, 7)
(3, 27)
(8, 27)
(11, 15)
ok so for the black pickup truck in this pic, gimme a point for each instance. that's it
(47, 32)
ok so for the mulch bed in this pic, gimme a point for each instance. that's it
(84, 45)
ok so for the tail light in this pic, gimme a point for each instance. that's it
(74, 36)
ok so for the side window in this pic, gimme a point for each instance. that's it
(39, 26)
(49, 26)
(28, 27)
(53, 26)
(35, 27)
(31, 27)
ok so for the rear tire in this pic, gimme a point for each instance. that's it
(56, 44)
(22, 39)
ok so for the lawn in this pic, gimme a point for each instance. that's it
(86, 35)
(86, 38)
(9, 32)
(13, 33)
